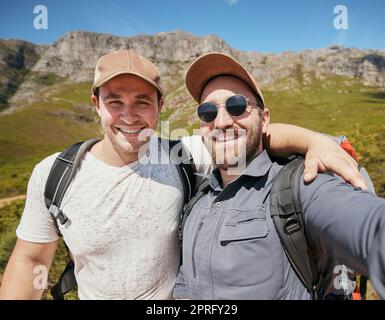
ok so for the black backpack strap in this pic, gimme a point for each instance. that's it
(182, 158)
(66, 282)
(363, 286)
(62, 172)
(286, 212)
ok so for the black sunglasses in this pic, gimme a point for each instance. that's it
(235, 105)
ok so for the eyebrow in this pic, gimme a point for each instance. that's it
(143, 96)
(113, 96)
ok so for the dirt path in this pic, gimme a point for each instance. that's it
(6, 201)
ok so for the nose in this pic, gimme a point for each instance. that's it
(129, 114)
(223, 119)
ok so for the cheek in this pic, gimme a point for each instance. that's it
(107, 117)
(205, 129)
(150, 116)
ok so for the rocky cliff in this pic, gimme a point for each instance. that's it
(26, 68)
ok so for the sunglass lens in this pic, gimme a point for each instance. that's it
(207, 111)
(236, 105)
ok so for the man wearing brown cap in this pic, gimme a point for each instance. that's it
(231, 246)
(123, 212)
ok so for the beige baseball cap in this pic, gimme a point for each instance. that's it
(214, 64)
(125, 62)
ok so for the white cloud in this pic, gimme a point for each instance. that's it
(231, 2)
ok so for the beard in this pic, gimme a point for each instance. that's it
(234, 149)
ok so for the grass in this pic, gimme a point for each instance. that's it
(337, 106)
(29, 135)
(9, 220)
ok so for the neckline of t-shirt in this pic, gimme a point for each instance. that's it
(130, 166)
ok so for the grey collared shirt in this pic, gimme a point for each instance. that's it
(231, 249)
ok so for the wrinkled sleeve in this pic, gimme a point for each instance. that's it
(348, 224)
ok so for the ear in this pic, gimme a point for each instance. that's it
(95, 102)
(160, 105)
(265, 120)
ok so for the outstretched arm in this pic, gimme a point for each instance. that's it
(322, 153)
(348, 224)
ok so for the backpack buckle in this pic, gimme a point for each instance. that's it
(57, 213)
(291, 225)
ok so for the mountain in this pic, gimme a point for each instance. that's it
(27, 67)
(45, 100)
(45, 92)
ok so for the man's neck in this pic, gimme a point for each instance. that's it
(230, 174)
(105, 152)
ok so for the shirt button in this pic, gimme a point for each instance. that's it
(219, 204)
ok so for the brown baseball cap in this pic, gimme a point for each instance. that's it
(125, 62)
(214, 64)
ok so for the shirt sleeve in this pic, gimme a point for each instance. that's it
(36, 224)
(348, 224)
(180, 291)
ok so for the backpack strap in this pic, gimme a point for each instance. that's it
(66, 282)
(62, 173)
(182, 158)
(286, 212)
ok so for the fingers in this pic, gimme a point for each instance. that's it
(356, 180)
(348, 170)
(351, 174)
(310, 171)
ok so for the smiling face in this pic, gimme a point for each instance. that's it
(129, 109)
(233, 140)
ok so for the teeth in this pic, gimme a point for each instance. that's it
(226, 140)
(229, 137)
(129, 131)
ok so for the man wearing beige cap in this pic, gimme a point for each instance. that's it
(260, 232)
(122, 214)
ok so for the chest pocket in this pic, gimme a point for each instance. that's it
(244, 247)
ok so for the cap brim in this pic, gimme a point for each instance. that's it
(212, 65)
(114, 74)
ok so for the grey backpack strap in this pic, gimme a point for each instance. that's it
(62, 173)
(286, 212)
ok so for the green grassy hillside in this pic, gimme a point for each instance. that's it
(64, 116)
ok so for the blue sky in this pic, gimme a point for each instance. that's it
(252, 25)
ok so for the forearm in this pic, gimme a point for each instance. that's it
(20, 282)
(26, 274)
(344, 223)
(282, 140)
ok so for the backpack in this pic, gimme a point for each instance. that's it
(64, 170)
(286, 213)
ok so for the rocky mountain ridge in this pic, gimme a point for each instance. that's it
(26, 68)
